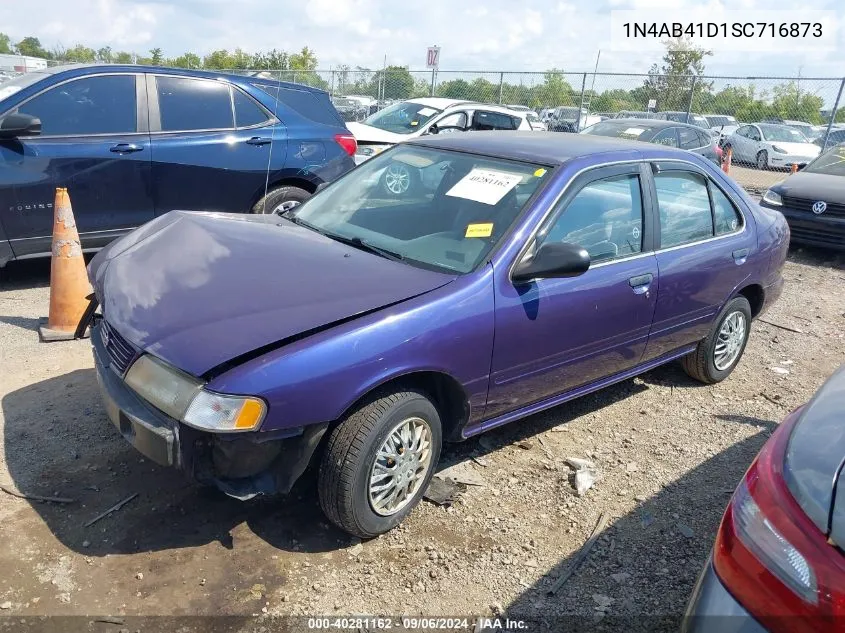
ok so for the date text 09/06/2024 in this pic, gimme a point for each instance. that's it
(722, 29)
(417, 623)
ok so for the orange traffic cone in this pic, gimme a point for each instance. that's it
(726, 160)
(68, 279)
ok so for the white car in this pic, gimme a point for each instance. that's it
(769, 145)
(433, 115)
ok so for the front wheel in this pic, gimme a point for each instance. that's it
(762, 160)
(281, 200)
(378, 462)
(716, 356)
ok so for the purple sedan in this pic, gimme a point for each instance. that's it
(359, 331)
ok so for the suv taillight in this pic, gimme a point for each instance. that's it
(347, 142)
(772, 557)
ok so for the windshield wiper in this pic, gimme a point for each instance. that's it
(360, 244)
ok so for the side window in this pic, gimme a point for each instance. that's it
(666, 137)
(703, 139)
(605, 217)
(725, 215)
(493, 121)
(194, 104)
(456, 119)
(688, 138)
(753, 133)
(743, 131)
(91, 105)
(247, 112)
(684, 208)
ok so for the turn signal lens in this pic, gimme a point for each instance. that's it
(215, 412)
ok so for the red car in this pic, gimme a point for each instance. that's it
(778, 563)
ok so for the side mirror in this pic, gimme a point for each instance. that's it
(433, 129)
(555, 260)
(19, 124)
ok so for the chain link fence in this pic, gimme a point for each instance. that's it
(768, 123)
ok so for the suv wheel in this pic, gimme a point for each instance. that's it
(378, 461)
(280, 200)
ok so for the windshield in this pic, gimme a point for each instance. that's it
(697, 119)
(567, 112)
(806, 130)
(402, 118)
(831, 163)
(435, 209)
(11, 86)
(782, 133)
(616, 129)
(716, 121)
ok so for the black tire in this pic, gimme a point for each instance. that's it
(395, 184)
(701, 363)
(763, 157)
(277, 197)
(351, 451)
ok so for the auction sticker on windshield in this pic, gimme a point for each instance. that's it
(633, 131)
(484, 185)
(426, 111)
(484, 229)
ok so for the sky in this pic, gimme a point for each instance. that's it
(492, 35)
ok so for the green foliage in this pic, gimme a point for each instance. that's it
(31, 46)
(680, 74)
(156, 58)
(5, 44)
(79, 54)
(122, 57)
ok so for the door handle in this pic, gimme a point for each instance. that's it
(259, 140)
(739, 255)
(640, 283)
(125, 148)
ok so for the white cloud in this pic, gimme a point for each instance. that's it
(531, 35)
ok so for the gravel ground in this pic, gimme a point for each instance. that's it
(669, 453)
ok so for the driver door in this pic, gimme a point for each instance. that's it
(554, 335)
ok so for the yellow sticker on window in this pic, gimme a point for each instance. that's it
(540, 173)
(414, 123)
(479, 230)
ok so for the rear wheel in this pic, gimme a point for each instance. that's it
(281, 200)
(378, 461)
(762, 160)
(716, 356)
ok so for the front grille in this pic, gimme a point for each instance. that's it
(120, 351)
(799, 204)
(819, 237)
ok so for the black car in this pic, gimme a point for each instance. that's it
(670, 133)
(813, 201)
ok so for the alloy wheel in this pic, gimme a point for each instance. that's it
(397, 179)
(729, 342)
(401, 465)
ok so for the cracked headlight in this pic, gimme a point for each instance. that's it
(183, 397)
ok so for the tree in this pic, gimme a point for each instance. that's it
(790, 102)
(122, 57)
(5, 44)
(79, 54)
(219, 59)
(395, 83)
(303, 60)
(156, 58)
(31, 46)
(453, 89)
(555, 90)
(679, 77)
(187, 60)
(104, 55)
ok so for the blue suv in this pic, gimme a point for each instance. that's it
(133, 142)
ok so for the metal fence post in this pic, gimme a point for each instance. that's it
(833, 114)
(581, 105)
(431, 92)
(691, 96)
(501, 86)
(331, 90)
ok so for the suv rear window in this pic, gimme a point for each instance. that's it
(315, 106)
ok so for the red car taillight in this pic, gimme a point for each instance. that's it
(772, 558)
(347, 142)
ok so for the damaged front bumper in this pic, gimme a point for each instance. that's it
(243, 465)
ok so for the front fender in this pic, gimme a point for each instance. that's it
(316, 379)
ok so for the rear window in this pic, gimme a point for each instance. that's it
(315, 106)
(494, 121)
(618, 130)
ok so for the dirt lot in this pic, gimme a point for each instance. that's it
(669, 451)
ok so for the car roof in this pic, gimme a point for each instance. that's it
(547, 148)
(653, 124)
(441, 103)
(83, 69)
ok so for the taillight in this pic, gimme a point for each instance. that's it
(347, 142)
(772, 557)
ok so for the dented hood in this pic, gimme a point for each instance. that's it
(200, 289)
